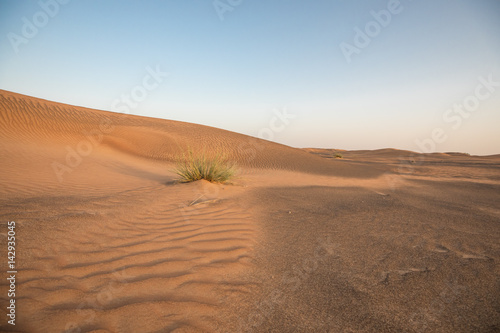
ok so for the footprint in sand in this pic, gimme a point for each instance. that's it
(443, 249)
(475, 256)
(440, 248)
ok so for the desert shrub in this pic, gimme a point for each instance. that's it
(192, 167)
(338, 155)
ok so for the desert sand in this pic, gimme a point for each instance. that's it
(108, 241)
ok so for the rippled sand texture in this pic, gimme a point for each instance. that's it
(108, 241)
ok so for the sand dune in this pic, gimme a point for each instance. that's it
(108, 241)
(28, 119)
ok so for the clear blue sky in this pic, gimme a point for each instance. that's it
(232, 68)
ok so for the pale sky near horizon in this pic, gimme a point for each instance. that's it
(354, 74)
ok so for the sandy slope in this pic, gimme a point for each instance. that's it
(379, 241)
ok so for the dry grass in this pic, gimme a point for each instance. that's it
(215, 169)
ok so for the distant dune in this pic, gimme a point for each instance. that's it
(109, 241)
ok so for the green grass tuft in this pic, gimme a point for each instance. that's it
(216, 169)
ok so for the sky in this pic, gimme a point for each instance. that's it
(421, 75)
